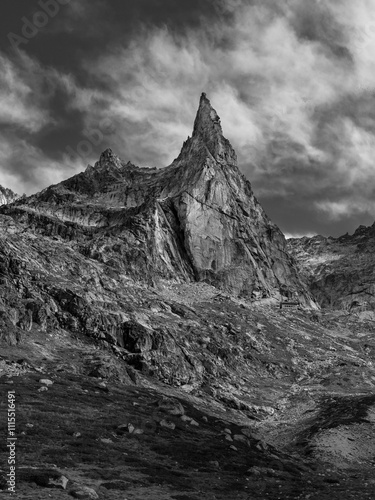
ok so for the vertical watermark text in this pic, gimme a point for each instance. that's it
(11, 442)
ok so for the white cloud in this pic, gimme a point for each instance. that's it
(18, 100)
(337, 210)
(265, 74)
(358, 21)
(27, 167)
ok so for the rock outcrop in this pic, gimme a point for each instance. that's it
(340, 271)
(7, 196)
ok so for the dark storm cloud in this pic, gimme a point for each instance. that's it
(292, 81)
(47, 90)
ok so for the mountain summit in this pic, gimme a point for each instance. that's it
(208, 136)
(208, 131)
(196, 220)
(207, 120)
(109, 158)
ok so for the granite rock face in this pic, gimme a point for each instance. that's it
(340, 271)
(196, 220)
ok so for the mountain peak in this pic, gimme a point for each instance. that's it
(207, 120)
(208, 132)
(107, 158)
(108, 152)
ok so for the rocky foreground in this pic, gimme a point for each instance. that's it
(141, 331)
(285, 408)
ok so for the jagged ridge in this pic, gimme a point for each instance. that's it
(340, 271)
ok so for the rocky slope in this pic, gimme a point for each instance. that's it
(7, 196)
(279, 404)
(340, 271)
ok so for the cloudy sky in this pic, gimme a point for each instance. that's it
(292, 80)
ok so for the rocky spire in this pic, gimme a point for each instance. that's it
(207, 121)
(208, 131)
